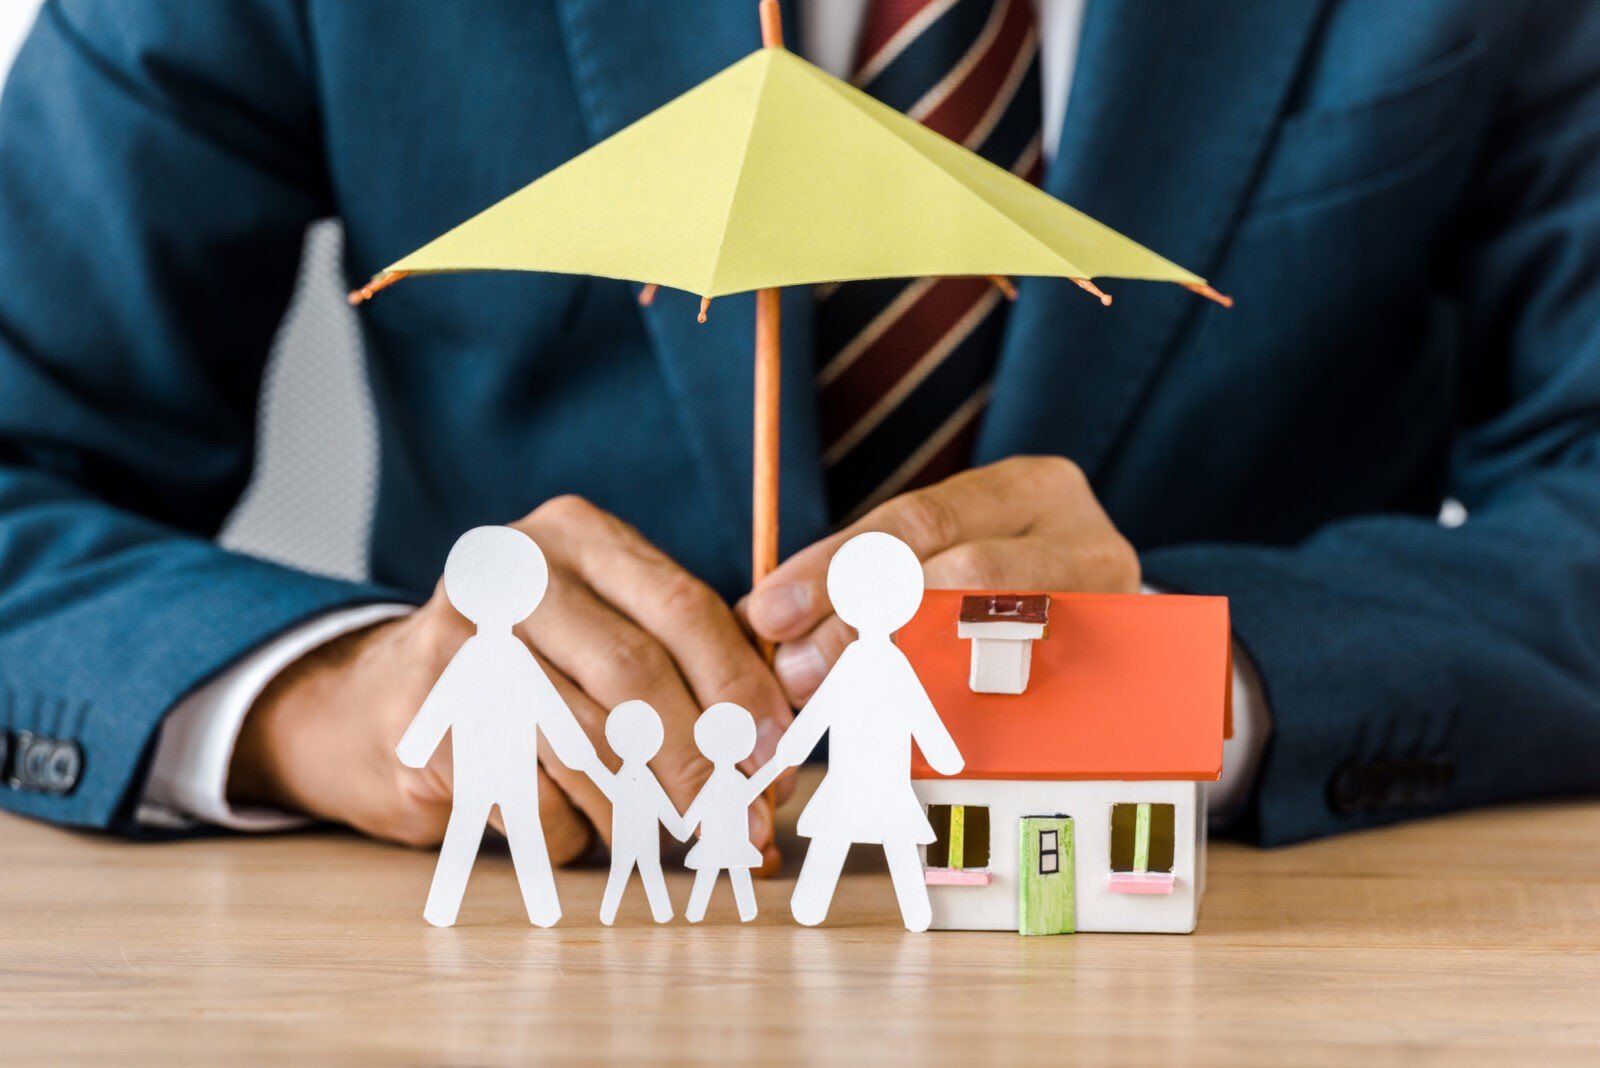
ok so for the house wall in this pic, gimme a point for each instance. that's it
(994, 907)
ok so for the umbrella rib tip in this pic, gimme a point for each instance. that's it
(705, 306)
(379, 283)
(1093, 290)
(1210, 294)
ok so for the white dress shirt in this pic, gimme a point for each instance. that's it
(189, 774)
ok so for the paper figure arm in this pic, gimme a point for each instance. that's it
(927, 729)
(811, 724)
(676, 825)
(694, 813)
(558, 725)
(604, 780)
(757, 784)
(438, 711)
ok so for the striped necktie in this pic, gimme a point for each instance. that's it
(904, 367)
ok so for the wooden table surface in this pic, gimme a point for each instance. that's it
(1461, 940)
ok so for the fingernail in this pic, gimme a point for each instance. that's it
(767, 734)
(761, 824)
(778, 608)
(800, 667)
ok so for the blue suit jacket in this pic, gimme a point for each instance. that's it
(1405, 198)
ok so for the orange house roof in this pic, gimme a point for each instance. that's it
(1136, 686)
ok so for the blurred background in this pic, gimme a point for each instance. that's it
(310, 499)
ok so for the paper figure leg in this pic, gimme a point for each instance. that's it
(700, 894)
(819, 877)
(655, 888)
(616, 885)
(744, 893)
(530, 859)
(905, 869)
(462, 837)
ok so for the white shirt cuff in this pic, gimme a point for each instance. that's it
(188, 780)
(1241, 754)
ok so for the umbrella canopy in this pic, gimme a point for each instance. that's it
(775, 173)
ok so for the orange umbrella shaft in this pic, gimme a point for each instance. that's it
(769, 366)
(771, 24)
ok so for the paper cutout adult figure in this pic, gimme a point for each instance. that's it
(638, 806)
(875, 707)
(726, 734)
(494, 699)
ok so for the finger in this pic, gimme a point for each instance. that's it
(802, 664)
(1029, 563)
(696, 627)
(567, 833)
(588, 798)
(693, 624)
(612, 660)
(1001, 500)
(709, 649)
(431, 794)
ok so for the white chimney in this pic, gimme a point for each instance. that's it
(1002, 628)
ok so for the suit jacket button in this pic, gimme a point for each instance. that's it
(33, 753)
(1347, 790)
(63, 768)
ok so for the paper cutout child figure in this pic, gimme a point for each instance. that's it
(875, 707)
(638, 805)
(726, 734)
(494, 699)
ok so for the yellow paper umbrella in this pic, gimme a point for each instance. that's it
(775, 173)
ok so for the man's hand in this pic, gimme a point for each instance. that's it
(1027, 523)
(620, 621)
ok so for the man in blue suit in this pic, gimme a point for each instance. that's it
(1405, 199)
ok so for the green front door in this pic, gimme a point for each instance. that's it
(1045, 903)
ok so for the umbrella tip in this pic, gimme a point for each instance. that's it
(647, 295)
(771, 24)
(705, 306)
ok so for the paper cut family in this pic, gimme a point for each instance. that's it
(1082, 808)
(495, 700)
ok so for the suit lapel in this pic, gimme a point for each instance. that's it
(629, 57)
(1171, 110)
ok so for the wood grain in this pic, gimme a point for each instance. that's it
(1461, 940)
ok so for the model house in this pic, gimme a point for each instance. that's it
(1090, 725)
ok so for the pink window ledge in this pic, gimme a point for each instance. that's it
(957, 877)
(1140, 882)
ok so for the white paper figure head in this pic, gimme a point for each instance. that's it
(725, 733)
(634, 731)
(875, 583)
(495, 576)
